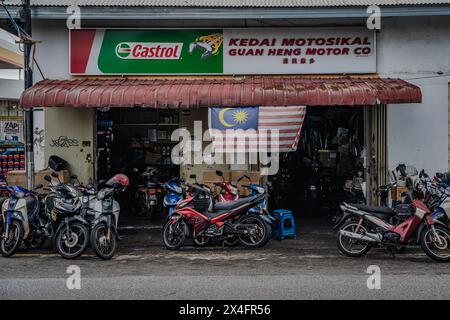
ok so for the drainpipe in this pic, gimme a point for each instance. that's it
(25, 18)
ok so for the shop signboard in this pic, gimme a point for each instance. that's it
(222, 51)
(11, 129)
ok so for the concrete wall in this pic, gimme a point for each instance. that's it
(69, 135)
(416, 49)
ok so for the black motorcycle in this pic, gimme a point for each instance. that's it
(69, 230)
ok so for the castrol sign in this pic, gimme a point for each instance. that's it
(233, 51)
(149, 50)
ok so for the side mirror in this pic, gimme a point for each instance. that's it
(48, 178)
(39, 186)
(55, 175)
(219, 173)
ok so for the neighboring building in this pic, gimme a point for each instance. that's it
(12, 156)
(412, 46)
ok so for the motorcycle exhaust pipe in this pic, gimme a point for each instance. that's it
(369, 237)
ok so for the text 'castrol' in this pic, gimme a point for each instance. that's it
(149, 50)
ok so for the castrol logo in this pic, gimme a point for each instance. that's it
(149, 50)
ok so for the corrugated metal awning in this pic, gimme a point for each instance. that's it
(209, 92)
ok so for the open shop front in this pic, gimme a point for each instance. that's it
(342, 129)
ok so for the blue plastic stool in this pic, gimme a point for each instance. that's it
(284, 226)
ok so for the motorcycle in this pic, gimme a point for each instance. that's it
(67, 227)
(228, 190)
(21, 221)
(366, 230)
(198, 216)
(102, 212)
(174, 194)
(149, 193)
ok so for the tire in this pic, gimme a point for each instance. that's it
(35, 243)
(8, 249)
(444, 234)
(168, 229)
(64, 247)
(354, 254)
(263, 231)
(102, 249)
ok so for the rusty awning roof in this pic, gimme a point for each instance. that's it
(208, 92)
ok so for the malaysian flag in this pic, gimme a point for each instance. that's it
(252, 129)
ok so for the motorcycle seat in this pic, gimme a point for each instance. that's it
(229, 205)
(378, 211)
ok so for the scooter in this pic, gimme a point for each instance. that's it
(21, 221)
(358, 235)
(102, 211)
(228, 189)
(67, 227)
(174, 194)
(199, 216)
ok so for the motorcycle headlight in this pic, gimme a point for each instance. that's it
(260, 189)
(178, 189)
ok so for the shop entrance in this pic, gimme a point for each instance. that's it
(329, 165)
(134, 141)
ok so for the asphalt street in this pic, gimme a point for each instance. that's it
(309, 267)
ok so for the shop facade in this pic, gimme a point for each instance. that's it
(393, 81)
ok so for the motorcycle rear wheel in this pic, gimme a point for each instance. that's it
(8, 248)
(429, 244)
(103, 248)
(258, 237)
(173, 235)
(65, 246)
(345, 248)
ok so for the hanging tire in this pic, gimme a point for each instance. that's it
(103, 248)
(72, 246)
(9, 246)
(345, 244)
(259, 234)
(174, 235)
(436, 249)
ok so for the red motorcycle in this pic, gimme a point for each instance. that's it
(360, 230)
(200, 218)
(228, 190)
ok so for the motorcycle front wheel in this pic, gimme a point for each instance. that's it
(71, 246)
(174, 235)
(257, 234)
(103, 248)
(350, 247)
(11, 242)
(436, 245)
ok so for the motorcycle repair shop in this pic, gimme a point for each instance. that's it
(329, 109)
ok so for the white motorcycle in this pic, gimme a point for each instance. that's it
(102, 211)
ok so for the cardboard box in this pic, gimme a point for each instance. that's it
(396, 192)
(212, 176)
(18, 177)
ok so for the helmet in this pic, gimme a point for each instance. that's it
(120, 179)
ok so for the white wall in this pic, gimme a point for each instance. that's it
(53, 57)
(415, 49)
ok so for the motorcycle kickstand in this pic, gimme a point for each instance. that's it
(391, 249)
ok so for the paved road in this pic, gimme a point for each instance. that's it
(307, 268)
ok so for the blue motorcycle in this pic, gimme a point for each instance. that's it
(175, 193)
(262, 208)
